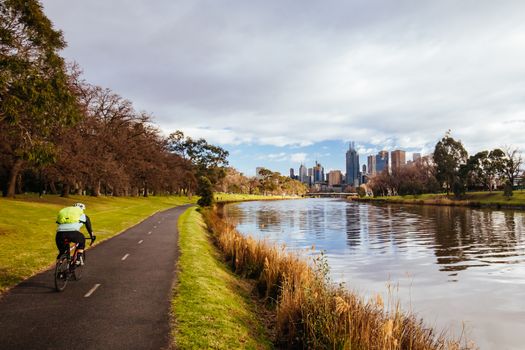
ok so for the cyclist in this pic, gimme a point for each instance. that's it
(70, 220)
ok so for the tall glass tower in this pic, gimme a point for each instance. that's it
(352, 166)
(381, 161)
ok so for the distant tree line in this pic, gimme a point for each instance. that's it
(268, 183)
(451, 169)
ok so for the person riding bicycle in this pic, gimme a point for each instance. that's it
(70, 221)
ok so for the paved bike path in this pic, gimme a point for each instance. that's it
(129, 309)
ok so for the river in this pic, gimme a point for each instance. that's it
(460, 269)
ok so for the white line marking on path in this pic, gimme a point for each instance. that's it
(92, 290)
(140, 242)
(154, 226)
(149, 233)
(125, 257)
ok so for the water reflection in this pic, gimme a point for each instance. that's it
(447, 260)
(459, 238)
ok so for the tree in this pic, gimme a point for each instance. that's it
(205, 191)
(449, 155)
(507, 190)
(36, 96)
(511, 166)
(209, 160)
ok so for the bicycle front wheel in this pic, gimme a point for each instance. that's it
(61, 274)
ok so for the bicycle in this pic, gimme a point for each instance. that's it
(66, 266)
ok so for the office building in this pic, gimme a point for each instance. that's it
(292, 173)
(398, 159)
(381, 161)
(303, 174)
(352, 166)
(416, 157)
(335, 178)
(371, 165)
(318, 173)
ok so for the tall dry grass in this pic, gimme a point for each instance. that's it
(311, 311)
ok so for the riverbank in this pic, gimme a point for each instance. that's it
(492, 200)
(27, 227)
(212, 307)
(311, 312)
(225, 198)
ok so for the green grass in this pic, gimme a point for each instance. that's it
(27, 227)
(212, 308)
(494, 198)
(234, 197)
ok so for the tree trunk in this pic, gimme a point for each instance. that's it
(52, 187)
(96, 189)
(40, 184)
(145, 189)
(65, 190)
(19, 189)
(13, 176)
(78, 189)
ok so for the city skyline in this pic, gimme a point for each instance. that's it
(392, 160)
(284, 80)
(332, 157)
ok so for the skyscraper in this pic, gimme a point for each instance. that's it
(371, 165)
(318, 173)
(303, 174)
(335, 177)
(352, 166)
(292, 173)
(381, 161)
(416, 157)
(398, 159)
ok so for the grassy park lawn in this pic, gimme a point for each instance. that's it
(27, 227)
(495, 197)
(212, 308)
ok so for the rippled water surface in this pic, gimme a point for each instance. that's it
(458, 268)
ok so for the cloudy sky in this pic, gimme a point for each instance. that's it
(283, 82)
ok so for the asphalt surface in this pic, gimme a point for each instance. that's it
(129, 309)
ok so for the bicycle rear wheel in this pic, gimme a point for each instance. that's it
(79, 269)
(61, 274)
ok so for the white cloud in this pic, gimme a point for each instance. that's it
(390, 74)
(274, 157)
(296, 158)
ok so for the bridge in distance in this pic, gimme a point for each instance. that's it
(331, 194)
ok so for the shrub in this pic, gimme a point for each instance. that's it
(205, 191)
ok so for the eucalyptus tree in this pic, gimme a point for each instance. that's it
(449, 155)
(483, 169)
(513, 160)
(36, 96)
(209, 160)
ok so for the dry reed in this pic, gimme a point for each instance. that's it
(311, 311)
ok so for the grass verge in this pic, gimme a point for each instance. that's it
(473, 199)
(234, 197)
(27, 227)
(313, 313)
(212, 307)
